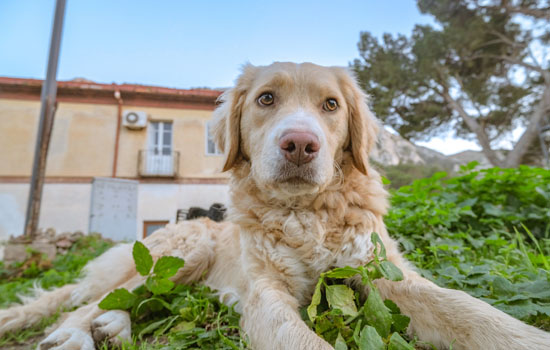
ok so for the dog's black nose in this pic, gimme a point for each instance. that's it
(299, 147)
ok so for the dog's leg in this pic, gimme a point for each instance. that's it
(444, 316)
(96, 282)
(272, 322)
(44, 304)
(104, 273)
(77, 329)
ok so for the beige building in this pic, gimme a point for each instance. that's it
(123, 159)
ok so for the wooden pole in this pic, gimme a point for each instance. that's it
(47, 112)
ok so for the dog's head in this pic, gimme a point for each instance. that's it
(294, 124)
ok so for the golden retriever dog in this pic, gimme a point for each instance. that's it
(304, 199)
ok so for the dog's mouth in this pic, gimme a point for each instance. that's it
(296, 175)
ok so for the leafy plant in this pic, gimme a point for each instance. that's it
(170, 316)
(485, 232)
(349, 321)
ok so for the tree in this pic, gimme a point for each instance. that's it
(483, 70)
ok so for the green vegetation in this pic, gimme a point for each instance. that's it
(486, 232)
(19, 279)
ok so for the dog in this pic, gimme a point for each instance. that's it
(304, 199)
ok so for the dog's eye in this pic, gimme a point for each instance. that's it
(330, 105)
(266, 99)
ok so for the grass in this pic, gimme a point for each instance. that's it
(486, 232)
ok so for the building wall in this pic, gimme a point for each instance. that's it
(83, 146)
(66, 207)
(83, 140)
(189, 139)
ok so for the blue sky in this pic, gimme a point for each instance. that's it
(188, 44)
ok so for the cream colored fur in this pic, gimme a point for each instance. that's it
(287, 225)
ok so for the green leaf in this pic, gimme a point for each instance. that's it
(400, 322)
(341, 297)
(370, 339)
(168, 266)
(142, 258)
(340, 343)
(377, 314)
(119, 299)
(398, 343)
(379, 249)
(342, 272)
(390, 271)
(159, 285)
(315, 301)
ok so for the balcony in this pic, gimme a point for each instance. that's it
(158, 163)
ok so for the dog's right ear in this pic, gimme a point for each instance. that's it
(227, 117)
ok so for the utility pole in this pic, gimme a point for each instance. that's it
(47, 112)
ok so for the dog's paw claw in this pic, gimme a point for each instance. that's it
(67, 339)
(113, 326)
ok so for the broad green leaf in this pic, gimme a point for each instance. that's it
(340, 343)
(119, 299)
(377, 314)
(315, 301)
(341, 297)
(159, 285)
(168, 266)
(503, 287)
(142, 258)
(398, 343)
(400, 322)
(370, 339)
(390, 271)
(342, 272)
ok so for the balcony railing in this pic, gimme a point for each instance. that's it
(158, 163)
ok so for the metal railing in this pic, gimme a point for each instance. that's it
(158, 163)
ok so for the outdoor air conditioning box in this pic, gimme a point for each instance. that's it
(134, 119)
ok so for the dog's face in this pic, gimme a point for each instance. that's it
(294, 123)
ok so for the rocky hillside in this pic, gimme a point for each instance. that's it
(392, 149)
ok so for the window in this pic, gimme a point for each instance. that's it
(160, 156)
(151, 226)
(211, 147)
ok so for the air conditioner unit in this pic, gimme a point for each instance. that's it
(134, 119)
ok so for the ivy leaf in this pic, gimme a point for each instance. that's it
(340, 343)
(168, 266)
(370, 339)
(398, 343)
(315, 301)
(142, 258)
(159, 285)
(390, 271)
(377, 314)
(119, 299)
(341, 297)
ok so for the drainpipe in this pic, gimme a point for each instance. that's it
(117, 136)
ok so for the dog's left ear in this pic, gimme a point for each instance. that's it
(362, 126)
(227, 117)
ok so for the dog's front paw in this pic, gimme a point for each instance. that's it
(67, 339)
(113, 326)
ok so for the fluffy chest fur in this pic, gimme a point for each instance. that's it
(295, 243)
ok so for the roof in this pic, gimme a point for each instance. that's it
(82, 90)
